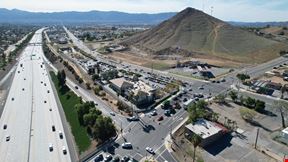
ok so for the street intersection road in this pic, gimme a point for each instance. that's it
(31, 111)
(136, 132)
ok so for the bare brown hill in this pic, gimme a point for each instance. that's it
(194, 33)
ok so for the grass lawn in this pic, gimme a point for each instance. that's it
(158, 65)
(69, 100)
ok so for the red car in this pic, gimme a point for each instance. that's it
(160, 118)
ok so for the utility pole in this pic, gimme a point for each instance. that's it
(256, 140)
(212, 10)
(121, 129)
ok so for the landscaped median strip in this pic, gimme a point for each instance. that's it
(68, 100)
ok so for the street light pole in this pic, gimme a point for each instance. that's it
(256, 140)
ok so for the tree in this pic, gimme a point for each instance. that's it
(89, 119)
(88, 86)
(196, 140)
(250, 102)
(197, 110)
(83, 109)
(104, 128)
(247, 114)
(242, 77)
(61, 77)
(282, 107)
(233, 95)
(97, 90)
(260, 105)
(95, 77)
(166, 104)
(283, 90)
(220, 98)
(242, 100)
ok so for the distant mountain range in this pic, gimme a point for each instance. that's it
(258, 24)
(100, 17)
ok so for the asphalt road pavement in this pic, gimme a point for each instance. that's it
(31, 111)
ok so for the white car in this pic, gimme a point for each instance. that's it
(50, 147)
(153, 113)
(126, 145)
(64, 150)
(112, 113)
(7, 138)
(150, 150)
(60, 135)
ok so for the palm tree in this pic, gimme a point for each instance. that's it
(283, 90)
(196, 140)
(225, 120)
(282, 107)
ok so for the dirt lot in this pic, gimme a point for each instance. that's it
(183, 149)
(145, 60)
(274, 79)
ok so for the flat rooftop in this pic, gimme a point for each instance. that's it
(204, 128)
(285, 130)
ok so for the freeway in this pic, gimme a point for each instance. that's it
(30, 112)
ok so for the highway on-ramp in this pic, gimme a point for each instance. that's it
(30, 113)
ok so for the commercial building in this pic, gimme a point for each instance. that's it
(143, 93)
(121, 85)
(207, 130)
(138, 92)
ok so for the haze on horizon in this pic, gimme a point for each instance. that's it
(229, 10)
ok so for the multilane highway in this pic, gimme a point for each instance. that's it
(31, 111)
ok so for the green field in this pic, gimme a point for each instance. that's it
(69, 100)
(157, 66)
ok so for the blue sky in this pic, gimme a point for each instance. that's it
(236, 10)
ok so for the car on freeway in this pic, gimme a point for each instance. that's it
(7, 138)
(98, 158)
(126, 145)
(160, 118)
(76, 87)
(108, 158)
(50, 109)
(53, 128)
(60, 135)
(64, 150)
(48, 91)
(112, 113)
(150, 150)
(5, 126)
(50, 147)
(153, 113)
